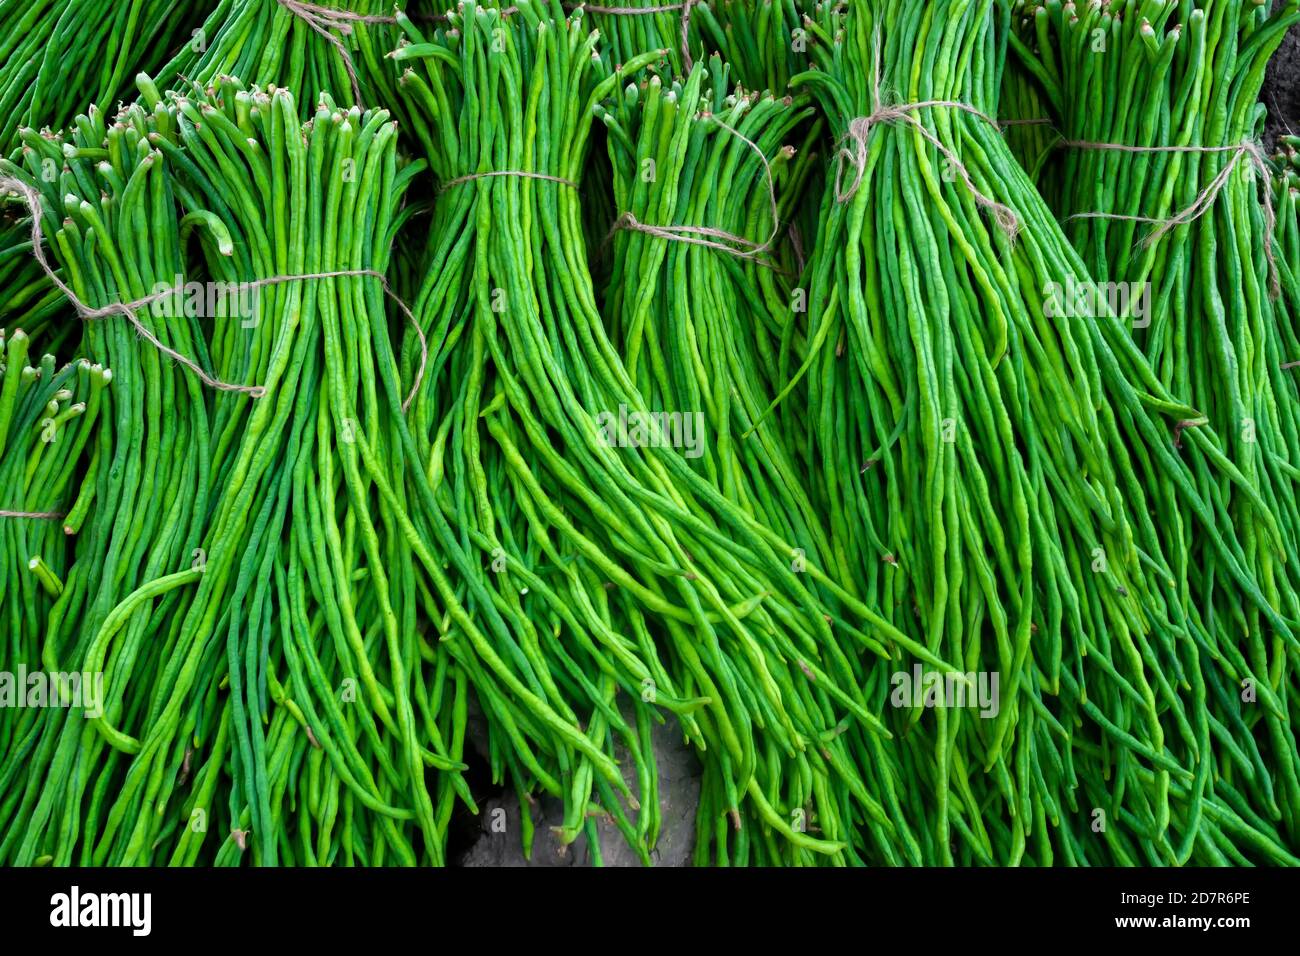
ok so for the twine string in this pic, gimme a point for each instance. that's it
(128, 309)
(860, 127)
(709, 236)
(507, 172)
(685, 7)
(323, 19)
(329, 21)
(326, 19)
(1204, 199)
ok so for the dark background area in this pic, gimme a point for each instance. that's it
(1282, 90)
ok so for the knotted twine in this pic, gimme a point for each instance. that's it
(507, 172)
(128, 309)
(720, 239)
(860, 127)
(1204, 199)
(324, 19)
(641, 11)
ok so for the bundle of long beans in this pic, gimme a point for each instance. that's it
(702, 324)
(128, 540)
(1184, 83)
(57, 57)
(715, 408)
(306, 748)
(48, 417)
(619, 565)
(514, 593)
(691, 316)
(1020, 477)
(337, 48)
(1175, 88)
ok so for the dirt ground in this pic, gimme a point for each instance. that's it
(1282, 89)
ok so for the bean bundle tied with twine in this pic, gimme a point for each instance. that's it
(708, 236)
(128, 309)
(1204, 199)
(855, 153)
(323, 20)
(859, 128)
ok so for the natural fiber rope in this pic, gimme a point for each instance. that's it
(626, 11)
(1036, 121)
(128, 309)
(507, 172)
(860, 127)
(719, 239)
(685, 7)
(686, 25)
(1204, 199)
(323, 19)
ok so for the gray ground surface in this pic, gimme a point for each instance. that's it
(679, 789)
